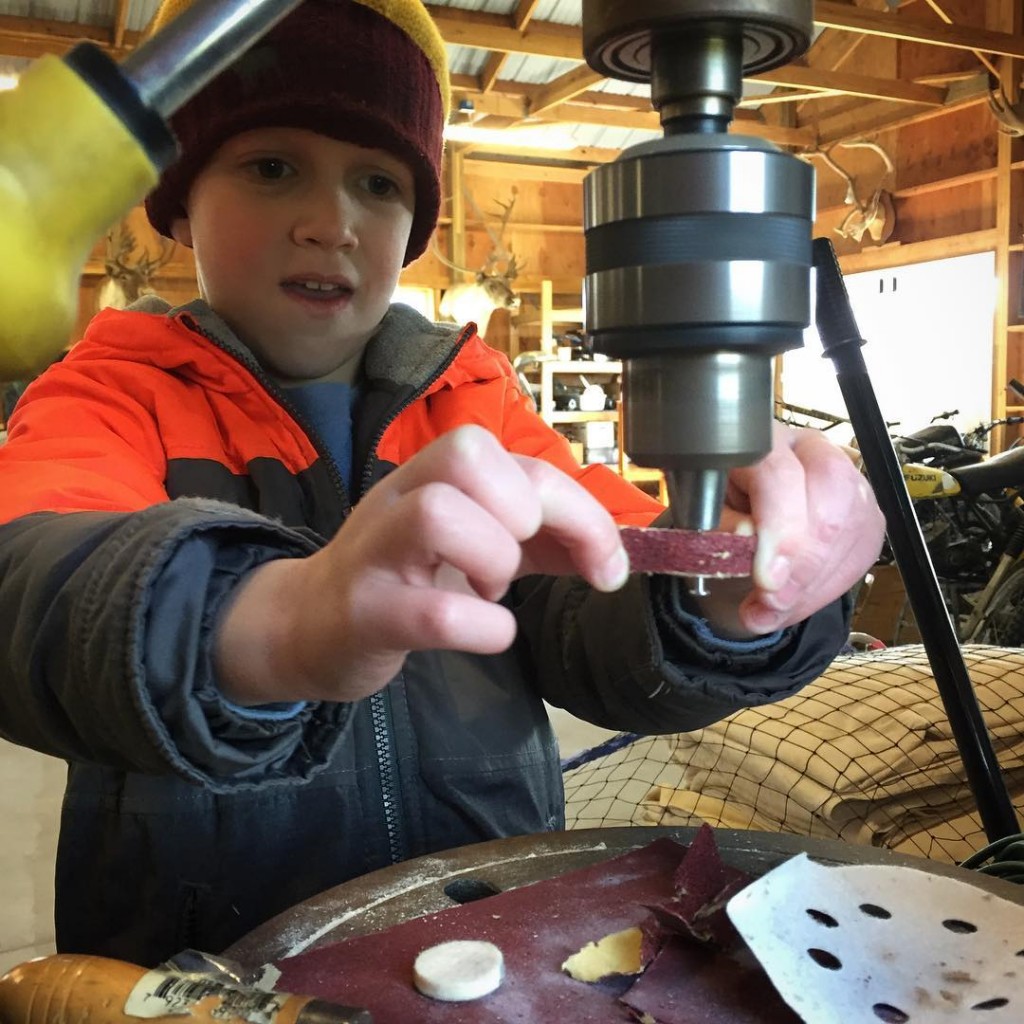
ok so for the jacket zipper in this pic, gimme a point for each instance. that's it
(380, 702)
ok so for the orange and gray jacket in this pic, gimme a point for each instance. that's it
(143, 477)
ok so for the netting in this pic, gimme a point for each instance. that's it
(864, 754)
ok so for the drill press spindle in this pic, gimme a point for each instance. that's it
(698, 243)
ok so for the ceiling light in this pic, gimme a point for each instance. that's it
(8, 80)
(554, 136)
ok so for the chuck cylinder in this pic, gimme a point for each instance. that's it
(698, 272)
(698, 244)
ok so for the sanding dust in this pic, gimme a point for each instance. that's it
(424, 886)
(615, 954)
(456, 972)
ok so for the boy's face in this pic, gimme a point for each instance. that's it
(299, 240)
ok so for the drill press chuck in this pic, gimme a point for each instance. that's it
(699, 243)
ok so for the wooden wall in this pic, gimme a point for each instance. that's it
(545, 233)
(944, 189)
(945, 182)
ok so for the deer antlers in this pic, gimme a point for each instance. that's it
(499, 251)
(121, 244)
(873, 215)
(128, 279)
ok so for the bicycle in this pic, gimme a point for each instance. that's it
(971, 513)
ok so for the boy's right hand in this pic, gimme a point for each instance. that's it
(420, 564)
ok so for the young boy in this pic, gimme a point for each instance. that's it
(285, 574)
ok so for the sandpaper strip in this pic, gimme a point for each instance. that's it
(537, 927)
(708, 553)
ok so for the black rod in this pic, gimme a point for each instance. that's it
(842, 343)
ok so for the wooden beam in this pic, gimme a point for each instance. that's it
(580, 113)
(795, 76)
(539, 100)
(777, 96)
(805, 137)
(457, 235)
(34, 37)
(546, 173)
(1007, 15)
(871, 118)
(885, 257)
(493, 32)
(120, 24)
(581, 154)
(523, 13)
(563, 88)
(829, 14)
(503, 109)
(497, 103)
(491, 70)
(942, 184)
(528, 227)
(833, 47)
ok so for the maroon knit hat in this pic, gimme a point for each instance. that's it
(335, 67)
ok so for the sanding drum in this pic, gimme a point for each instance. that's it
(698, 244)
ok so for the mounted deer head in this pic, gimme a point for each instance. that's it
(874, 216)
(491, 287)
(129, 279)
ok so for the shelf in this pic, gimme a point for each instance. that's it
(586, 367)
(606, 416)
(1015, 328)
(567, 316)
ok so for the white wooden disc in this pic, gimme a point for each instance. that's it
(456, 972)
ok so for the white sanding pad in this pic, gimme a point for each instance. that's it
(456, 972)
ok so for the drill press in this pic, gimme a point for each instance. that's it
(698, 244)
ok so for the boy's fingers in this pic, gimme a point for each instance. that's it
(396, 617)
(844, 533)
(439, 524)
(471, 460)
(526, 497)
(577, 533)
(775, 488)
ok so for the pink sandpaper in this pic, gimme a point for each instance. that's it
(690, 983)
(537, 927)
(688, 552)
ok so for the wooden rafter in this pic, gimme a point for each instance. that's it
(580, 155)
(120, 24)
(871, 118)
(491, 70)
(783, 95)
(34, 37)
(833, 47)
(505, 106)
(571, 98)
(844, 16)
(547, 39)
(494, 32)
(523, 13)
(563, 88)
(795, 76)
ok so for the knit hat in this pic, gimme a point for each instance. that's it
(370, 72)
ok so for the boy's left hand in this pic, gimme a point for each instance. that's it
(819, 531)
